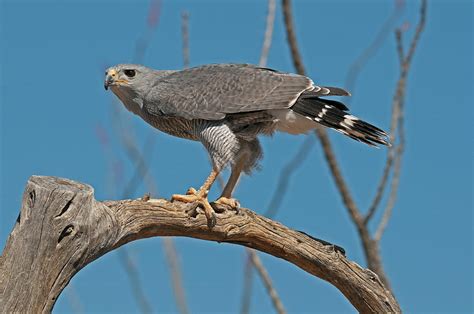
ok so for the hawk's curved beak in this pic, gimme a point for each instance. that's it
(109, 78)
(112, 78)
(107, 83)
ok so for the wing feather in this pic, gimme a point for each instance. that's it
(211, 92)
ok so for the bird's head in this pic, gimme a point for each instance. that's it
(125, 76)
(129, 82)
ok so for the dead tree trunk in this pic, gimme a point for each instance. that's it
(62, 228)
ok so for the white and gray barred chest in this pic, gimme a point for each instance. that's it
(239, 124)
(224, 139)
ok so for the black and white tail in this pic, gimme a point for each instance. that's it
(334, 114)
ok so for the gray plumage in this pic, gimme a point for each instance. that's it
(226, 106)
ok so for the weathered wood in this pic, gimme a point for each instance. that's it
(62, 228)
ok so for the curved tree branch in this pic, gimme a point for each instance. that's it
(62, 228)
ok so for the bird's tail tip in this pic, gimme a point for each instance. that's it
(362, 131)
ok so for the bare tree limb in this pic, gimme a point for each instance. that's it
(62, 228)
(291, 37)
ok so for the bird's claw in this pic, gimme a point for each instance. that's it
(225, 203)
(191, 191)
(198, 198)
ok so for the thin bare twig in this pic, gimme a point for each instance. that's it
(247, 285)
(142, 43)
(172, 258)
(419, 29)
(400, 50)
(142, 173)
(285, 176)
(393, 194)
(405, 66)
(137, 287)
(394, 156)
(267, 38)
(361, 61)
(381, 186)
(257, 263)
(185, 37)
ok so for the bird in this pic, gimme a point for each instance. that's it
(226, 107)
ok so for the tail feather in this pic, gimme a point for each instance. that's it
(333, 114)
(327, 91)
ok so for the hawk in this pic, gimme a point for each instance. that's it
(226, 107)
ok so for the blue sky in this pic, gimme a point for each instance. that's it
(53, 106)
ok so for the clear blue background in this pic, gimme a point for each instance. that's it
(53, 106)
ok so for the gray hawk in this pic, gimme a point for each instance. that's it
(226, 106)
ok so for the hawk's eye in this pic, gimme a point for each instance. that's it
(129, 73)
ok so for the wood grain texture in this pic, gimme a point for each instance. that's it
(62, 228)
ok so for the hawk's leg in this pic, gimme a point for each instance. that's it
(200, 197)
(226, 196)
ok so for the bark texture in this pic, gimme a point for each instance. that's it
(62, 228)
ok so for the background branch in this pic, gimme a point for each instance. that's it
(267, 281)
(361, 61)
(370, 243)
(137, 288)
(267, 38)
(142, 174)
(185, 37)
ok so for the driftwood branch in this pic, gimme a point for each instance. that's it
(62, 228)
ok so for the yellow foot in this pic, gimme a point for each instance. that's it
(199, 198)
(228, 203)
